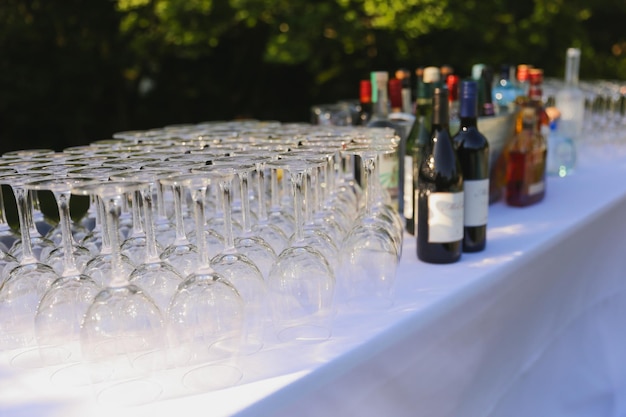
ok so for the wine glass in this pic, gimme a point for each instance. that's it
(206, 315)
(301, 284)
(63, 306)
(369, 253)
(122, 336)
(156, 277)
(25, 284)
(250, 243)
(235, 266)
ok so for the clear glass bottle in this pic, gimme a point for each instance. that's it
(504, 92)
(561, 148)
(570, 100)
(388, 164)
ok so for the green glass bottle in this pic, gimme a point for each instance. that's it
(417, 139)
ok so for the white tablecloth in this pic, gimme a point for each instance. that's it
(532, 326)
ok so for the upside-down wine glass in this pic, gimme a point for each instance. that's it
(370, 253)
(62, 308)
(156, 277)
(235, 266)
(206, 315)
(26, 284)
(123, 334)
(301, 283)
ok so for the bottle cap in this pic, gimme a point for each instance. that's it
(505, 71)
(469, 99)
(380, 76)
(431, 75)
(395, 93)
(535, 75)
(573, 52)
(404, 76)
(522, 72)
(452, 82)
(365, 91)
(477, 71)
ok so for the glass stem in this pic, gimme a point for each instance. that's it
(30, 197)
(22, 212)
(3, 218)
(225, 187)
(262, 209)
(274, 191)
(297, 185)
(198, 195)
(309, 197)
(369, 179)
(113, 210)
(136, 214)
(245, 202)
(181, 236)
(69, 260)
(104, 228)
(152, 253)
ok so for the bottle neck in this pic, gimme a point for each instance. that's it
(380, 101)
(572, 66)
(440, 116)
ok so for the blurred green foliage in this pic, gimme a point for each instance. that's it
(73, 71)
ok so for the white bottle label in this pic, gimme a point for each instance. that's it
(388, 171)
(536, 188)
(476, 193)
(408, 187)
(445, 217)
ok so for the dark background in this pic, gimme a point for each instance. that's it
(74, 71)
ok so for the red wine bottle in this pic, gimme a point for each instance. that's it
(472, 149)
(440, 191)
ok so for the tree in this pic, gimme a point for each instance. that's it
(74, 71)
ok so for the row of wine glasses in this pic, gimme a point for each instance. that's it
(193, 243)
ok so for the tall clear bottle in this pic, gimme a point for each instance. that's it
(416, 141)
(472, 149)
(440, 191)
(388, 164)
(570, 100)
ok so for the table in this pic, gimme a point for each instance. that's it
(532, 326)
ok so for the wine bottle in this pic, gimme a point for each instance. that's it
(472, 149)
(522, 79)
(404, 75)
(365, 99)
(487, 77)
(416, 141)
(452, 82)
(440, 191)
(570, 100)
(526, 162)
(403, 123)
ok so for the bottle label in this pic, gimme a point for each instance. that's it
(445, 217)
(408, 187)
(476, 194)
(536, 188)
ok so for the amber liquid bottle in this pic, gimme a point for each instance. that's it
(440, 191)
(526, 162)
